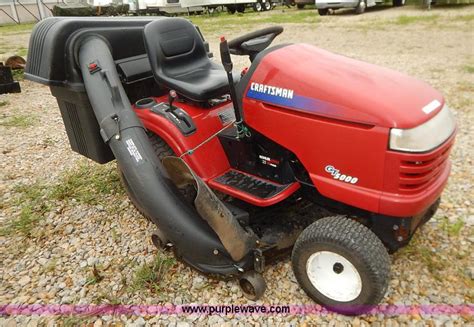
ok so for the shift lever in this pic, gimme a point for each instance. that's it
(172, 95)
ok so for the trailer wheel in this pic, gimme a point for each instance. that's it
(253, 285)
(398, 3)
(231, 9)
(240, 8)
(267, 5)
(300, 5)
(342, 265)
(161, 150)
(257, 6)
(323, 12)
(361, 7)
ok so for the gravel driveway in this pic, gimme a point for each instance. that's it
(69, 235)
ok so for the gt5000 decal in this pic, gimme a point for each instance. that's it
(342, 177)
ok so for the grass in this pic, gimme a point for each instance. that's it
(151, 276)
(87, 183)
(105, 297)
(16, 28)
(435, 263)
(465, 18)
(20, 121)
(407, 20)
(469, 69)
(94, 278)
(32, 208)
(223, 21)
(4, 103)
(453, 229)
(18, 74)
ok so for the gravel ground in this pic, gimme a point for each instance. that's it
(70, 235)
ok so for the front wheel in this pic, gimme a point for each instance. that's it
(342, 265)
(300, 5)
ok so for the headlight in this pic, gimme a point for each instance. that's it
(425, 137)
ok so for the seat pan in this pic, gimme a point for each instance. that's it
(200, 84)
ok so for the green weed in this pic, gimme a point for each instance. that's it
(150, 276)
(20, 121)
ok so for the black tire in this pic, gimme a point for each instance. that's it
(300, 5)
(361, 7)
(252, 285)
(323, 12)
(267, 5)
(162, 149)
(398, 3)
(240, 8)
(231, 9)
(345, 239)
(257, 6)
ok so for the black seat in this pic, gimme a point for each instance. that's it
(179, 60)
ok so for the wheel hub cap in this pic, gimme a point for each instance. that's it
(334, 276)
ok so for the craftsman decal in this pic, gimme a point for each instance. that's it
(133, 150)
(272, 90)
(341, 177)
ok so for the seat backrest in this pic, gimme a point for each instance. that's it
(174, 47)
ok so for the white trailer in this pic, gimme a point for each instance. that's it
(165, 6)
(231, 5)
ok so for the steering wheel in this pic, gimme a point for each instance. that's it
(252, 43)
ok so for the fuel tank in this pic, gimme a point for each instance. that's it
(304, 78)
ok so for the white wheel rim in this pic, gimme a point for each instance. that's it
(334, 276)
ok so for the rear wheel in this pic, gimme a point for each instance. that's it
(323, 12)
(342, 265)
(300, 5)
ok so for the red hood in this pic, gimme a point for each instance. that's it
(336, 86)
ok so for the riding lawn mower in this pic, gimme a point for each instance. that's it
(334, 160)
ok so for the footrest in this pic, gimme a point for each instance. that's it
(253, 189)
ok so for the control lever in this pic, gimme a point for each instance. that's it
(228, 65)
(172, 95)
